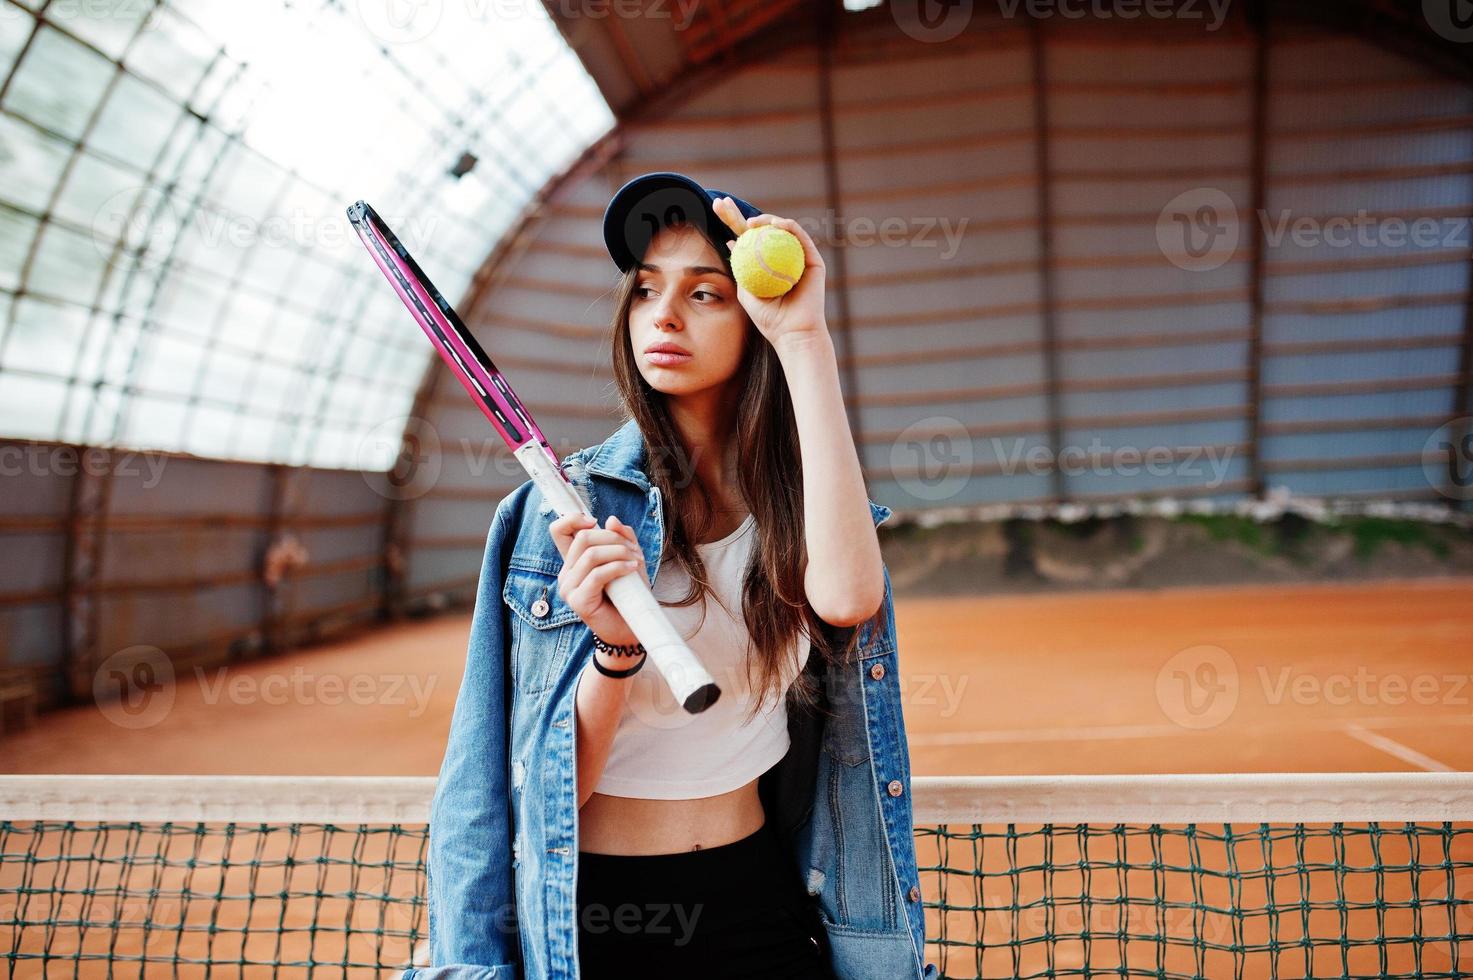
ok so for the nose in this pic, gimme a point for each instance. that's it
(665, 318)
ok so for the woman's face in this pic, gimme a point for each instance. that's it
(685, 298)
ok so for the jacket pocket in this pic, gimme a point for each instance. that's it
(542, 625)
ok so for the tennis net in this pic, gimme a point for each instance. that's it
(1357, 875)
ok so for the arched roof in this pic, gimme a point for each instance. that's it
(179, 273)
(180, 276)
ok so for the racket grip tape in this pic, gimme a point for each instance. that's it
(694, 688)
(689, 681)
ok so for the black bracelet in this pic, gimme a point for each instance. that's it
(617, 673)
(623, 650)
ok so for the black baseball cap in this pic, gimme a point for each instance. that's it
(651, 201)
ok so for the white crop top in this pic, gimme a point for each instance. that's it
(662, 752)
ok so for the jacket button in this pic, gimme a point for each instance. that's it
(877, 671)
(914, 894)
(540, 608)
(895, 787)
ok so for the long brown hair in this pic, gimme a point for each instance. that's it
(775, 606)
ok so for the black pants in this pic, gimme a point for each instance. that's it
(736, 911)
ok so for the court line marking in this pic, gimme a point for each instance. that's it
(1084, 733)
(1080, 734)
(1392, 747)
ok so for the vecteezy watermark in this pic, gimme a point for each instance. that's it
(1447, 459)
(648, 919)
(935, 458)
(1201, 229)
(1099, 914)
(1364, 230)
(942, 232)
(1211, 13)
(405, 457)
(938, 21)
(1365, 688)
(409, 21)
(1451, 19)
(91, 460)
(127, 12)
(1202, 686)
(1098, 459)
(414, 446)
(932, 21)
(134, 688)
(298, 687)
(137, 688)
(399, 21)
(1198, 688)
(148, 224)
(143, 222)
(940, 694)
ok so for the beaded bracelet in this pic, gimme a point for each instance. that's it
(626, 650)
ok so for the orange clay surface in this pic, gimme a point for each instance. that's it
(1290, 678)
(1374, 676)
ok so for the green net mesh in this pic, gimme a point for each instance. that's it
(316, 897)
(129, 899)
(1198, 901)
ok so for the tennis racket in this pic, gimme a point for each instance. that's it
(689, 681)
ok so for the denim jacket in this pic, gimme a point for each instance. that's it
(501, 875)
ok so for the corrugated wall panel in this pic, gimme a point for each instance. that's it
(1368, 193)
(177, 620)
(180, 555)
(1131, 127)
(38, 485)
(947, 326)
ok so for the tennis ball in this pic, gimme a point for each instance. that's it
(767, 261)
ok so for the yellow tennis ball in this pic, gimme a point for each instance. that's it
(767, 260)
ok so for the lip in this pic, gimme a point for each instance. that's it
(666, 355)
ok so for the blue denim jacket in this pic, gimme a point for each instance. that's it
(503, 840)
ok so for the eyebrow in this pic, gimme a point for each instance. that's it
(692, 270)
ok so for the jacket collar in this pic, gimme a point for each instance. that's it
(622, 456)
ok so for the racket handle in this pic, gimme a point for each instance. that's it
(694, 688)
(689, 681)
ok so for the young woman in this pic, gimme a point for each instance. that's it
(768, 533)
(583, 825)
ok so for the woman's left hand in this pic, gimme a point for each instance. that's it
(798, 314)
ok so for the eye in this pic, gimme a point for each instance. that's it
(640, 291)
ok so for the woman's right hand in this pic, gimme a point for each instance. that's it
(594, 556)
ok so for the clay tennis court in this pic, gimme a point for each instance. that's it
(1363, 677)
(1360, 677)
